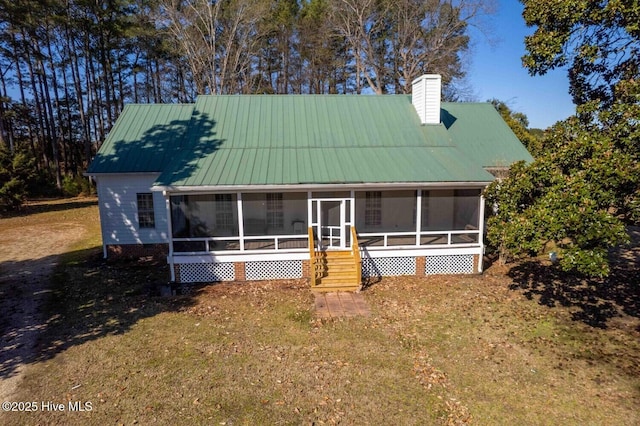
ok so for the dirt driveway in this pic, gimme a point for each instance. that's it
(29, 250)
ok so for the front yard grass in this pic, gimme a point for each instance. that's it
(437, 350)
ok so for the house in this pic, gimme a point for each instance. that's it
(330, 188)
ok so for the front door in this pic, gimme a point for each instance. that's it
(331, 223)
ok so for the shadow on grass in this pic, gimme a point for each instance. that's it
(46, 206)
(598, 299)
(373, 275)
(88, 298)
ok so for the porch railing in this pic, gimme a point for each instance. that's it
(253, 244)
(299, 243)
(355, 250)
(424, 238)
(314, 263)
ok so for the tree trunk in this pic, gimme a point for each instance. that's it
(36, 99)
(51, 124)
(96, 101)
(23, 100)
(5, 137)
(106, 78)
(75, 75)
(70, 157)
(55, 141)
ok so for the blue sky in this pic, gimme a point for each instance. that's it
(497, 72)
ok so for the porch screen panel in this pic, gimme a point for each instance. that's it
(211, 215)
(386, 211)
(449, 209)
(179, 222)
(437, 210)
(278, 213)
(466, 208)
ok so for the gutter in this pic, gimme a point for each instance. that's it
(318, 187)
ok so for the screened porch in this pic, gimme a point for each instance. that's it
(280, 221)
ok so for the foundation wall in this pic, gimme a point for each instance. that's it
(372, 267)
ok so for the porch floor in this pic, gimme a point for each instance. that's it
(340, 305)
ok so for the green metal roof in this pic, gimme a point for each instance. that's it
(479, 131)
(145, 138)
(285, 166)
(271, 139)
(244, 140)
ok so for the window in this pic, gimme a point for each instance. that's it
(275, 211)
(373, 208)
(146, 216)
(224, 211)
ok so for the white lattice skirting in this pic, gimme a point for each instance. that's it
(273, 270)
(388, 266)
(206, 272)
(449, 264)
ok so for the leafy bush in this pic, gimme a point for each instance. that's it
(77, 185)
(576, 195)
(42, 185)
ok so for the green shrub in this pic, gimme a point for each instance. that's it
(77, 185)
(42, 185)
(16, 170)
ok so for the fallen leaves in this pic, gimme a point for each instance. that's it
(433, 379)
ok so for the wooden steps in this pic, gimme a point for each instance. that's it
(337, 271)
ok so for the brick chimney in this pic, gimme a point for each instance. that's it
(425, 97)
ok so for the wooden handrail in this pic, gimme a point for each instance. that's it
(355, 249)
(312, 259)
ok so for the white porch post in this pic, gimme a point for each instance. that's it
(481, 230)
(343, 239)
(352, 210)
(418, 215)
(240, 221)
(352, 214)
(309, 211)
(167, 199)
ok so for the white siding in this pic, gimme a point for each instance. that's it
(119, 210)
(425, 96)
(418, 98)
